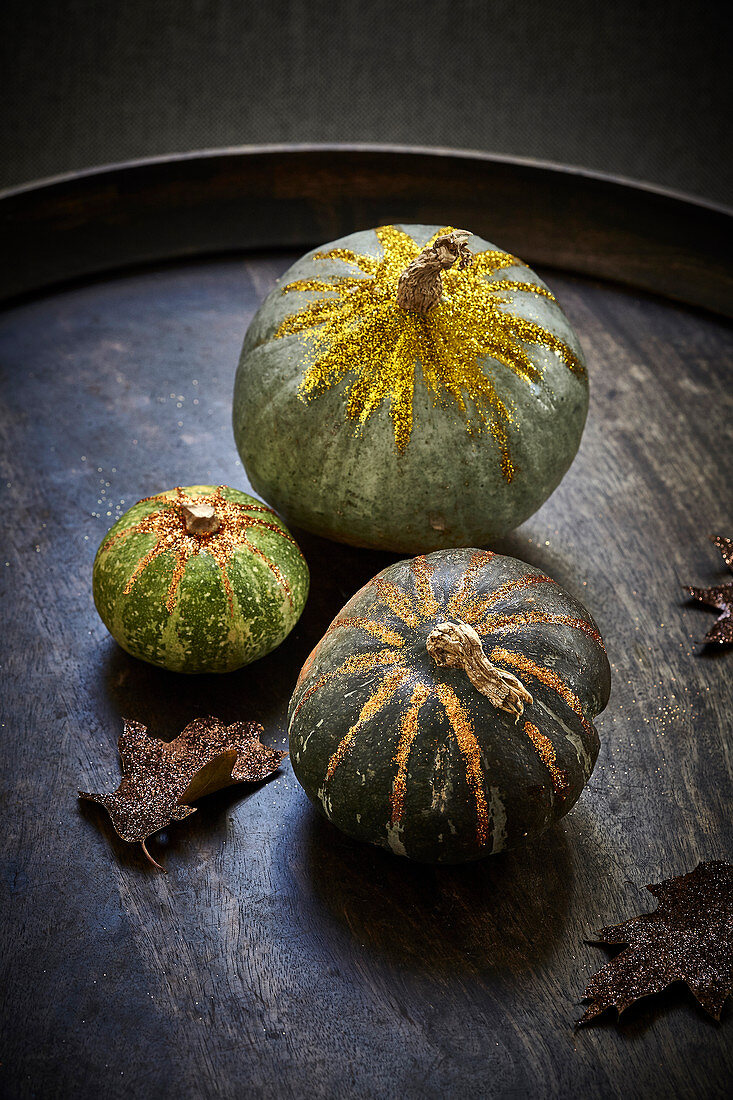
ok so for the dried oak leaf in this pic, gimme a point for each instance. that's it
(688, 937)
(718, 595)
(161, 778)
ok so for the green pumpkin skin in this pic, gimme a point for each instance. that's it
(203, 632)
(438, 822)
(351, 484)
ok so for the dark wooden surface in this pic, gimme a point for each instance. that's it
(276, 958)
(292, 196)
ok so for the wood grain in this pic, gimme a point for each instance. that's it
(276, 958)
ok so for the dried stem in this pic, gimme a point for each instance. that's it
(200, 519)
(150, 858)
(457, 645)
(420, 288)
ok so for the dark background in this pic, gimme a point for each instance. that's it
(634, 89)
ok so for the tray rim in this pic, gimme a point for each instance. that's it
(68, 227)
(214, 151)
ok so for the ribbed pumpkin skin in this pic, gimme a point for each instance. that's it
(441, 816)
(324, 472)
(204, 631)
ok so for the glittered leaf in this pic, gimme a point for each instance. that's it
(160, 779)
(688, 937)
(719, 596)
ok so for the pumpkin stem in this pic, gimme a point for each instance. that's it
(457, 645)
(419, 288)
(200, 519)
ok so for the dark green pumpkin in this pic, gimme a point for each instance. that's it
(401, 752)
(206, 592)
(371, 424)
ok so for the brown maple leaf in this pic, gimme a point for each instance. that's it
(161, 778)
(718, 595)
(688, 938)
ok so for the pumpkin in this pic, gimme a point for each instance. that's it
(199, 579)
(409, 388)
(447, 713)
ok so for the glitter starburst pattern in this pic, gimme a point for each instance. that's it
(355, 332)
(390, 669)
(237, 521)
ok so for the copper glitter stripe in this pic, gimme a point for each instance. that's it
(478, 560)
(510, 624)
(546, 676)
(373, 705)
(358, 662)
(475, 612)
(547, 754)
(260, 526)
(408, 730)
(398, 601)
(274, 569)
(471, 753)
(379, 630)
(168, 526)
(508, 587)
(422, 574)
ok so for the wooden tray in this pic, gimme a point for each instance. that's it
(277, 958)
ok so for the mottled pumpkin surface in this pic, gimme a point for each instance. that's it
(199, 603)
(411, 756)
(375, 426)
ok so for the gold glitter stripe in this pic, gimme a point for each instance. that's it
(367, 264)
(510, 624)
(494, 260)
(533, 333)
(471, 753)
(547, 754)
(421, 576)
(546, 676)
(323, 286)
(408, 730)
(508, 467)
(513, 356)
(512, 285)
(358, 662)
(379, 630)
(373, 705)
(478, 560)
(398, 245)
(357, 335)
(398, 601)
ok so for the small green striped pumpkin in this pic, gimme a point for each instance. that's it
(408, 753)
(199, 579)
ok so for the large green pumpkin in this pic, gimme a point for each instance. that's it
(199, 579)
(447, 713)
(409, 421)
